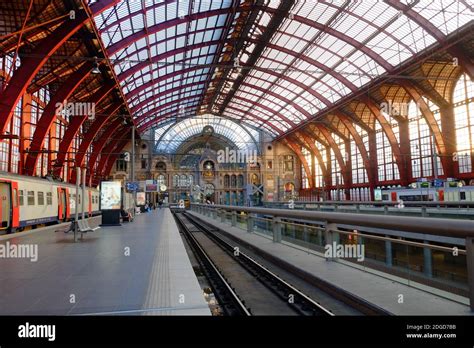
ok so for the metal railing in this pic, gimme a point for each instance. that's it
(275, 222)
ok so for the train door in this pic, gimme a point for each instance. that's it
(5, 205)
(441, 195)
(62, 204)
(394, 196)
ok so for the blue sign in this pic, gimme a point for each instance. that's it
(132, 186)
(438, 183)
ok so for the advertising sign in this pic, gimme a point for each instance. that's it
(141, 198)
(110, 195)
(151, 186)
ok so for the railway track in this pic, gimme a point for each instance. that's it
(242, 285)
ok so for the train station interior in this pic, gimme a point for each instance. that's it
(237, 157)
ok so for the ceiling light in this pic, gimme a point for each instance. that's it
(95, 69)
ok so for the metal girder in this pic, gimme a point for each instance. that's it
(99, 122)
(151, 83)
(313, 62)
(127, 41)
(143, 127)
(49, 114)
(311, 147)
(152, 6)
(74, 126)
(276, 20)
(110, 148)
(407, 10)
(337, 152)
(124, 75)
(387, 129)
(102, 5)
(341, 36)
(446, 158)
(302, 159)
(113, 157)
(360, 144)
(154, 99)
(31, 65)
(99, 144)
(265, 122)
(150, 113)
(266, 108)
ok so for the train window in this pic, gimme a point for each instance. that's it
(31, 197)
(49, 198)
(40, 198)
(15, 197)
(22, 199)
(462, 196)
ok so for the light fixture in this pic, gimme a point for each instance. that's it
(95, 69)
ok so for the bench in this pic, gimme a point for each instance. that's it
(83, 227)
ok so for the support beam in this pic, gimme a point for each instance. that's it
(49, 115)
(32, 64)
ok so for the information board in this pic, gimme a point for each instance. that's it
(110, 195)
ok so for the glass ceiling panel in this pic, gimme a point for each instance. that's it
(322, 52)
(168, 141)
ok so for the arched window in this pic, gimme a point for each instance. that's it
(421, 142)
(226, 180)
(233, 181)
(240, 181)
(161, 180)
(175, 180)
(190, 180)
(464, 122)
(183, 181)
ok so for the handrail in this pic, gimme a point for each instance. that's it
(433, 226)
(381, 203)
(426, 225)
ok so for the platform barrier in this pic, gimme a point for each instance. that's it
(426, 240)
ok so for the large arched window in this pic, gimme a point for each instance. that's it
(175, 180)
(422, 144)
(464, 122)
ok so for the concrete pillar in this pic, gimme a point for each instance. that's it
(234, 218)
(223, 216)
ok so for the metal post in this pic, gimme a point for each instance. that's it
(250, 223)
(435, 157)
(223, 212)
(328, 234)
(427, 260)
(388, 252)
(470, 269)
(83, 194)
(76, 214)
(132, 170)
(277, 229)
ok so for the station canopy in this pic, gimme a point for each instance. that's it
(266, 64)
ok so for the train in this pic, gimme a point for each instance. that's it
(449, 191)
(30, 202)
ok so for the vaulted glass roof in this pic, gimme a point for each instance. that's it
(165, 54)
(169, 137)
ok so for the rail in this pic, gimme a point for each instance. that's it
(329, 226)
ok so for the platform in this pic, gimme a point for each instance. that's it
(139, 268)
(378, 290)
